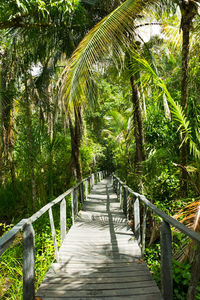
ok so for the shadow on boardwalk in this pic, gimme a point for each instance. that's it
(99, 258)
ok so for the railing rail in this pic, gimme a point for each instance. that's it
(165, 232)
(25, 225)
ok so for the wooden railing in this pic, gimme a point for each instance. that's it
(80, 191)
(123, 192)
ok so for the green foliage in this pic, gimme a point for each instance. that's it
(181, 272)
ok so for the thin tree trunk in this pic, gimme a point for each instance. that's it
(30, 144)
(138, 129)
(195, 275)
(76, 137)
(188, 11)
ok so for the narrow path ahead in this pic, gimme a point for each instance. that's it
(99, 259)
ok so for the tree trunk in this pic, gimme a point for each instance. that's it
(188, 11)
(76, 137)
(195, 275)
(138, 129)
(30, 144)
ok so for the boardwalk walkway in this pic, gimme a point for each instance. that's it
(99, 259)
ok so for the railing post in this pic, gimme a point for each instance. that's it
(125, 201)
(117, 187)
(89, 184)
(63, 220)
(166, 261)
(93, 180)
(120, 195)
(86, 189)
(53, 232)
(127, 206)
(28, 262)
(72, 205)
(75, 202)
(137, 220)
(81, 192)
(144, 222)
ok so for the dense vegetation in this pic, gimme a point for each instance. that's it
(127, 101)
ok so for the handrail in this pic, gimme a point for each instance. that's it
(181, 227)
(166, 241)
(25, 225)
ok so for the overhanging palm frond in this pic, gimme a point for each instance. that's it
(113, 31)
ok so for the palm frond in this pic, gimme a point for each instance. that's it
(109, 35)
(190, 215)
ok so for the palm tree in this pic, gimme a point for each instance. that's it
(112, 34)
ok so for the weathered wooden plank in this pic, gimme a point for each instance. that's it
(63, 220)
(88, 274)
(137, 220)
(130, 297)
(75, 195)
(96, 286)
(166, 262)
(81, 192)
(99, 256)
(53, 233)
(72, 206)
(28, 262)
(86, 190)
(9, 237)
(134, 278)
(144, 228)
(103, 293)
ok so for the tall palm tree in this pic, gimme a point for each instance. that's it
(112, 35)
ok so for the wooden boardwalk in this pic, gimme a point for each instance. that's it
(99, 258)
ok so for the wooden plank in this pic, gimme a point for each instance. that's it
(166, 262)
(88, 274)
(72, 206)
(137, 220)
(53, 232)
(134, 297)
(144, 228)
(9, 237)
(102, 293)
(75, 201)
(96, 286)
(28, 262)
(86, 190)
(67, 280)
(99, 256)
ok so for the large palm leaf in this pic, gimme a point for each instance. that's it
(109, 35)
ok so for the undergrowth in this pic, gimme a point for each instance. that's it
(11, 264)
(181, 272)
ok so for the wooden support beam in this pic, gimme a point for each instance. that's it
(120, 195)
(81, 192)
(137, 220)
(28, 262)
(144, 222)
(86, 189)
(63, 220)
(166, 261)
(127, 204)
(53, 233)
(125, 192)
(75, 202)
(72, 206)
